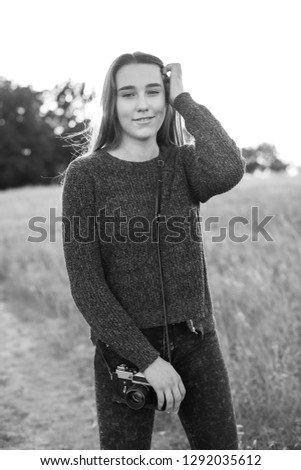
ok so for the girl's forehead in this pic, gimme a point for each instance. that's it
(138, 74)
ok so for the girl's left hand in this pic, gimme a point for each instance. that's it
(174, 81)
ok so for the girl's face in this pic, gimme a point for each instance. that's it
(140, 101)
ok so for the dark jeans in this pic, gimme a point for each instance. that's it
(206, 412)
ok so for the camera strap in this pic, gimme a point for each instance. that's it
(161, 164)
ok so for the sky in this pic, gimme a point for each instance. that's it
(239, 58)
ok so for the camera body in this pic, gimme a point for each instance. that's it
(131, 388)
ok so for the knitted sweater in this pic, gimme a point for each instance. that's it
(108, 208)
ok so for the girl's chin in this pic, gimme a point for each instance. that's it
(144, 134)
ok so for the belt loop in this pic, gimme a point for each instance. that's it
(191, 326)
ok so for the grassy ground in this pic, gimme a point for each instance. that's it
(46, 375)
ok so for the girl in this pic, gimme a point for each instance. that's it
(150, 309)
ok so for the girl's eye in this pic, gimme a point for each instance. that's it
(150, 92)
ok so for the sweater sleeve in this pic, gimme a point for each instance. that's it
(214, 164)
(89, 289)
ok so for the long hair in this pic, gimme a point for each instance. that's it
(107, 135)
(110, 132)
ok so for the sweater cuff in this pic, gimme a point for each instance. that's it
(182, 100)
(146, 361)
(192, 112)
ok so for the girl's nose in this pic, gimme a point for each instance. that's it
(142, 104)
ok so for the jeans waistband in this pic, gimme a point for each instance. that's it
(179, 325)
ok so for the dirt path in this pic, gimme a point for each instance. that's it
(47, 389)
(41, 394)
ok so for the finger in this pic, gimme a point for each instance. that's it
(182, 390)
(177, 399)
(169, 401)
(160, 399)
(167, 68)
(165, 77)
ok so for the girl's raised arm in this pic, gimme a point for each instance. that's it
(214, 164)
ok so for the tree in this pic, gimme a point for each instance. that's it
(31, 125)
(25, 139)
(262, 157)
(64, 110)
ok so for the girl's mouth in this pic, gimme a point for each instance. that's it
(142, 120)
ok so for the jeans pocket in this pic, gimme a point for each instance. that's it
(205, 326)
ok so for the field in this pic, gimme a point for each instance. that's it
(46, 357)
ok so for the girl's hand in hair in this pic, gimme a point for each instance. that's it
(167, 384)
(173, 81)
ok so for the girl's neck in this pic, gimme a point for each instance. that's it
(136, 150)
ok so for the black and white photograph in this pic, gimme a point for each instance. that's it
(150, 241)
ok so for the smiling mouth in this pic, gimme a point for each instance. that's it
(146, 119)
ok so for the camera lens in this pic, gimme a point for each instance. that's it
(136, 396)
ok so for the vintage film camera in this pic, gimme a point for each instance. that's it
(131, 388)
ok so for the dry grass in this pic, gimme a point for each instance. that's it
(256, 293)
